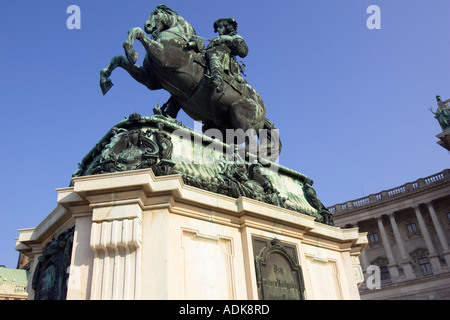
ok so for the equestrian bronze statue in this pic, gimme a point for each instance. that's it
(205, 82)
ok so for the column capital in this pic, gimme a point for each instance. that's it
(359, 223)
(430, 204)
(391, 214)
(36, 249)
(378, 218)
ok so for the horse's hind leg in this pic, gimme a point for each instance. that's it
(270, 143)
(171, 108)
(244, 115)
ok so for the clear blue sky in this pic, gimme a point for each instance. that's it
(351, 103)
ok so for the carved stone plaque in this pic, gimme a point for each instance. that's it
(278, 274)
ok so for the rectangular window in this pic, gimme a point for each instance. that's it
(373, 237)
(411, 227)
(424, 265)
(384, 273)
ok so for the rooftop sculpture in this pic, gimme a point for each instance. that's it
(442, 113)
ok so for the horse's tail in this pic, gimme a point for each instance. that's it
(269, 141)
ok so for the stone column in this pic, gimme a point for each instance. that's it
(406, 263)
(364, 262)
(393, 270)
(432, 255)
(440, 233)
(362, 256)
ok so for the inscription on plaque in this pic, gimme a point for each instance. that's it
(279, 276)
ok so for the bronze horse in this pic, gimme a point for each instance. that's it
(170, 65)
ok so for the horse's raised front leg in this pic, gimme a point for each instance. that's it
(153, 48)
(130, 53)
(105, 81)
(137, 72)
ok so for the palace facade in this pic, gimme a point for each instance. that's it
(408, 228)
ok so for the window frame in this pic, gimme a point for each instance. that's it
(411, 227)
(424, 265)
(384, 273)
(371, 236)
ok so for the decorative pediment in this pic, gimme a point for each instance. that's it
(380, 261)
(419, 252)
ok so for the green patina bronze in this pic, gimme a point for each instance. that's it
(167, 147)
(51, 273)
(205, 82)
(442, 114)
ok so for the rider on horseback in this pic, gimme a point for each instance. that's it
(221, 52)
(170, 64)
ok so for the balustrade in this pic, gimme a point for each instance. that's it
(394, 192)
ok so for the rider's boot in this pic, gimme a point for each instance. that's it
(216, 74)
(218, 84)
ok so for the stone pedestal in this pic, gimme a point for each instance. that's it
(444, 139)
(138, 236)
(159, 211)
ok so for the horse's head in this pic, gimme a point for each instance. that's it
(163, 18)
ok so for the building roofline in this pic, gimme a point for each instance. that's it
(381, 198)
